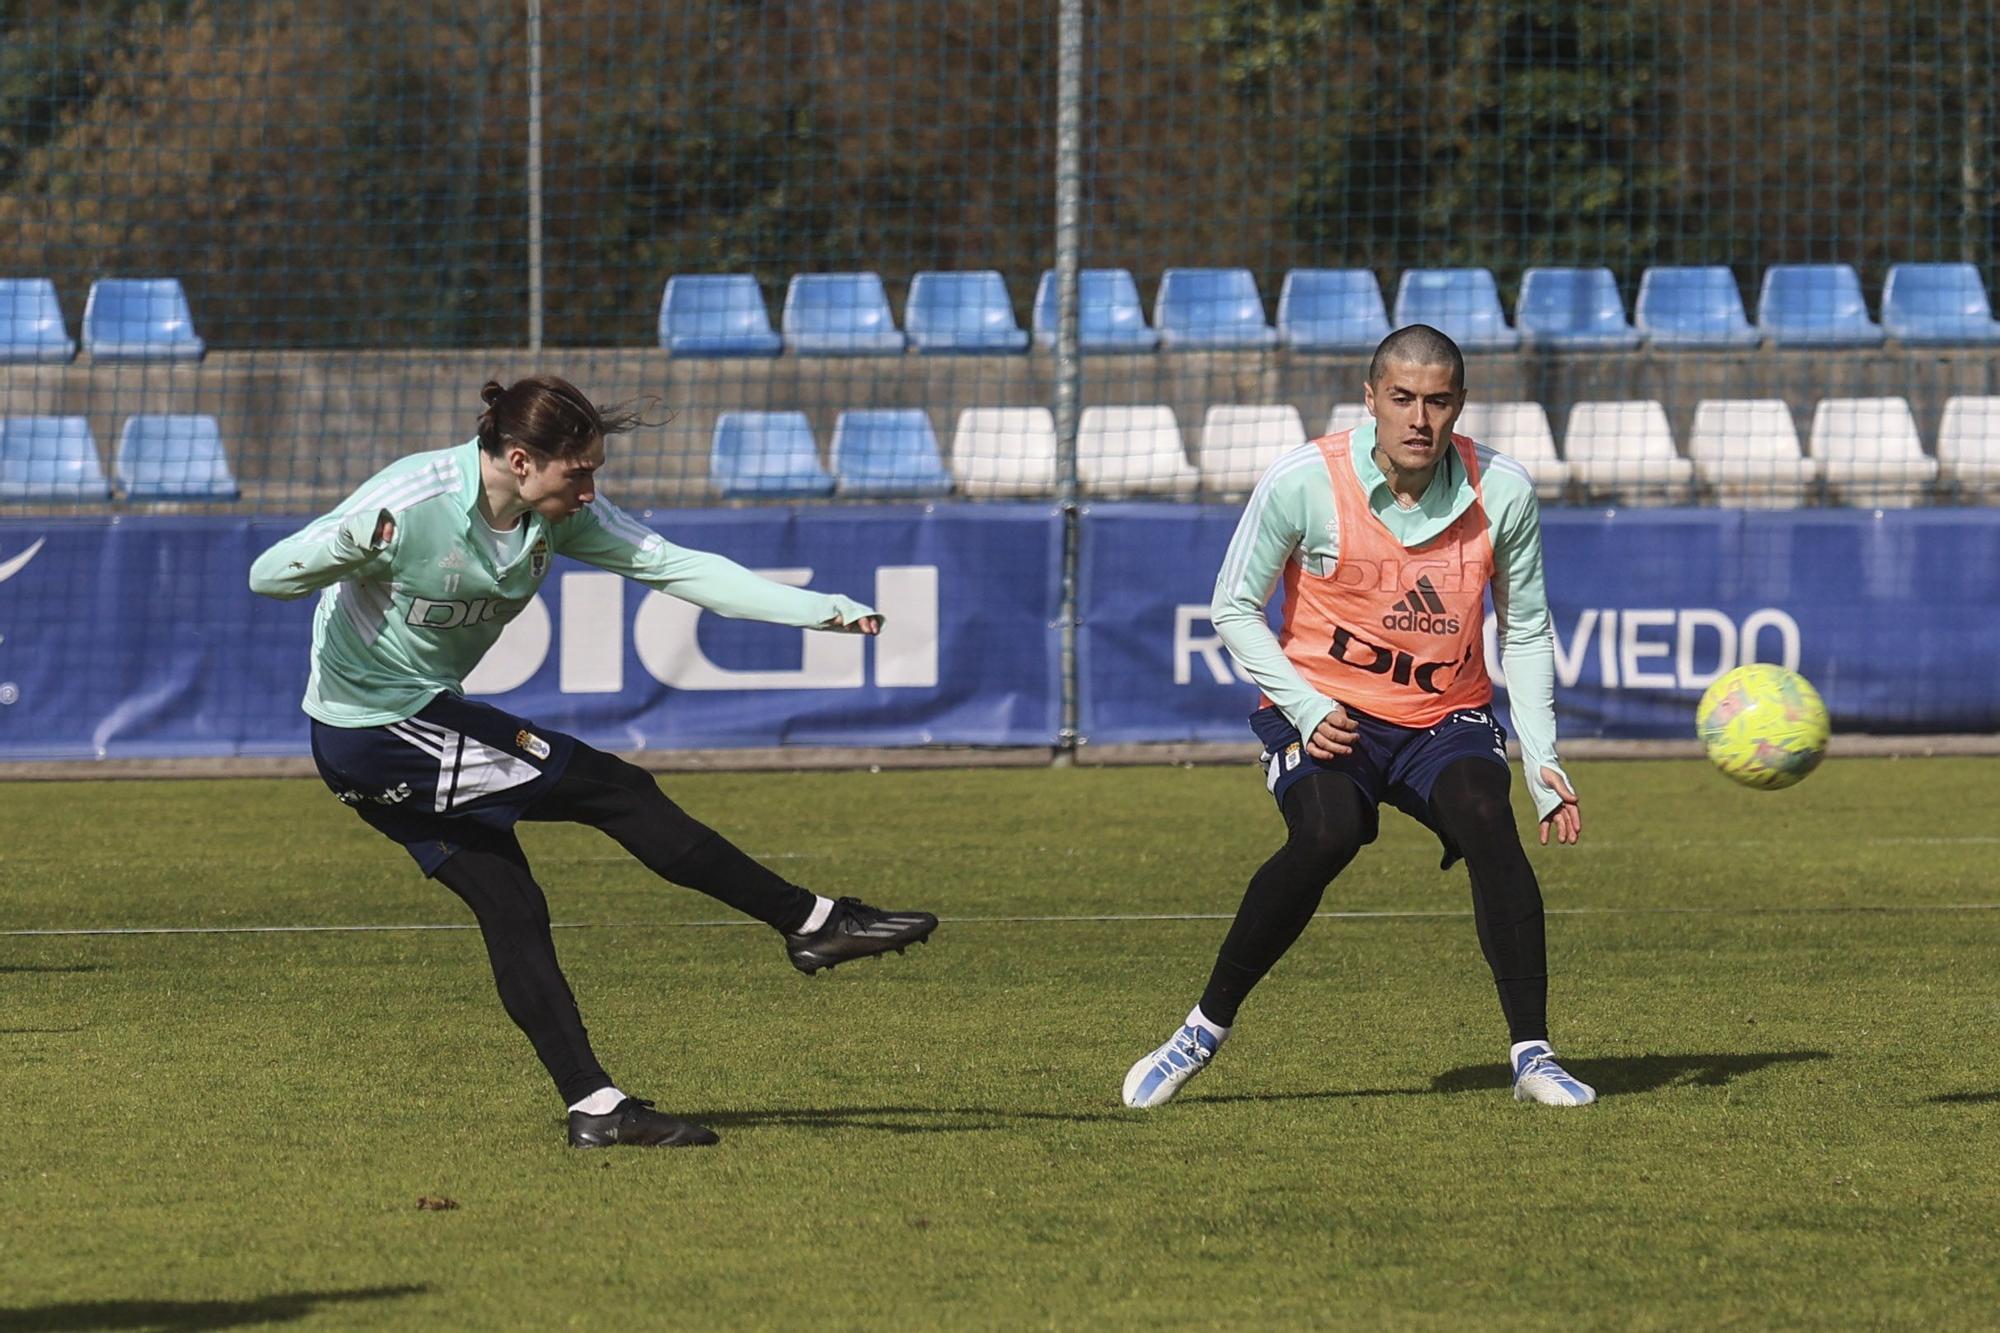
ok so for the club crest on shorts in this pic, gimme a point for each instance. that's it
(530, 743)
(1291, 756)
(538, 559)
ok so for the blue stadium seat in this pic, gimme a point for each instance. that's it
(766, 455)
(1693, 306)
(1937, 303)
(1332, 310)
(1211, 307)
(1462, 303)
(840, 314)
(887, 452)
(716, 314)
(1573, 308)
(31, 322)
(171, 457)
(962, 312)
(140, 319)
(50, 458)
(1109, 317)
(1815, 305)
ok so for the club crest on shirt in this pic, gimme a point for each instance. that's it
(530, 743)
(538, 558)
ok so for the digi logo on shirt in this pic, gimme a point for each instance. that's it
(1397, 665)
(427, 614)
(1435, 572)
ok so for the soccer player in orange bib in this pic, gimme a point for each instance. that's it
(1375, 689)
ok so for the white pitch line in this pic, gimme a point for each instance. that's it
(1910, 840)
(1111, 918)
(1590, 845)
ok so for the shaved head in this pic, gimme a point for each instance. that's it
(1418, 345)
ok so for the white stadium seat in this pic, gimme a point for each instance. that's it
(1520, 431)
(1004, 451)
(1746, 450)
(1239, 442)
(1969, 448)
(1133, 451)
(1346, 416)
(1626, 450)
(1870, 452)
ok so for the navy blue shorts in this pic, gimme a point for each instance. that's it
(1399, 765)
(456, 773)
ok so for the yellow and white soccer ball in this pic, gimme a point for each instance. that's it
(1763, 726)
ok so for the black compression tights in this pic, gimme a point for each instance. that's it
(493, 878)
(1327, 823)
(495, 882)
(622, 799)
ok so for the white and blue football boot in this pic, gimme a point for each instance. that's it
(1157, 1077)
(1538, 1078)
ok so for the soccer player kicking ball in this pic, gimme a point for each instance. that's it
(1375, 689)
(420, 569)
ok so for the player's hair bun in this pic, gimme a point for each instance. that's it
(491, 392)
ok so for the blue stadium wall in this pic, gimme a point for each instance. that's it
(137, 636)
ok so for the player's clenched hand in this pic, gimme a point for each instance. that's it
(866, 625)
(1567, 818)
(1335, 735)
(385, 529)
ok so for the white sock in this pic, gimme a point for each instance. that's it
(602, 1102)
(1197, 1019)
(822, 909)
(1514, 1051)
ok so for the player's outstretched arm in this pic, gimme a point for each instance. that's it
(607, 537)
(323, 552)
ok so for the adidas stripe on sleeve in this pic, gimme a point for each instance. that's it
(1292, 499)
(607, 537)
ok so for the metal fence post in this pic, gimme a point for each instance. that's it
(1069, 361)
(534, 175)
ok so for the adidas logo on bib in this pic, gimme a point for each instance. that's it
(1422, 611)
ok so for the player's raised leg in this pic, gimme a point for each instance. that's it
(625, 802)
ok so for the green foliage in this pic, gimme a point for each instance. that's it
(53, 59)
(353, 172)
(422, 167)
(730, 190)
(1505, 134)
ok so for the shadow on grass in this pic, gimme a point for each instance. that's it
(32, 967)
(36, 1032)
(1963, 1098)
(186, 1316)
(896, 1119)
(1649, 1073)
(1614, 1076)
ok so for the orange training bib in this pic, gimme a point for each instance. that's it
(1392, 631)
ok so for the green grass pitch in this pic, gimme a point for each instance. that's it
(1790, 1003)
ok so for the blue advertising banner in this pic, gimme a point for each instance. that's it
(1894, 615)
(139, 638)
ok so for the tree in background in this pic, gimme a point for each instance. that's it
(352, 173)
(1504, 134)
